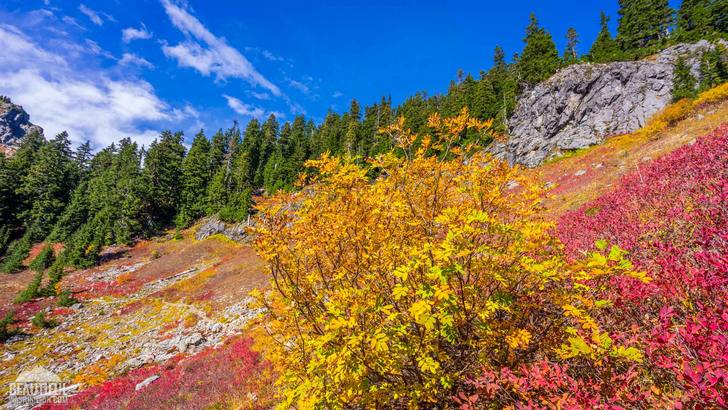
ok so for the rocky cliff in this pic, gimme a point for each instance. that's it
(14, 123)
(583, 104)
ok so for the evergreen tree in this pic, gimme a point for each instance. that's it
(251, 146)
(8, 199)
(539, 59)
(571, 56)
(351, 136)
(83, 157)
(644, 25)
(15, 171)
(605, 48)
(218, 151)
(267, 148)
(694, 20)
(195, 178)
(300, 144)
(217, 193)
(684, 83)
(162, 173)
(49, 181)
(74, 215)
(713, 68)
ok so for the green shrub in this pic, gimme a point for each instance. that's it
(5, 332)
(32, 291)
(44, 259)
(55, 274)
(65, 299)
(17, 252)
(39, 320)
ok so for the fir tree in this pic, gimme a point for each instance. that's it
(162, 173)
(539, 59)
(15, 171)
(8, 201)
(48, 182)
(571, 56)
(713, 68)
(605, 48)
(300, 147)
(250, 149)
(694, 20)
(684, 83)
(83, 157)
(218, 151)
(351, 136)
(195, 178)
(267, 149)
(43, 260)
(643, 26)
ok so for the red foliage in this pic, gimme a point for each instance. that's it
(672, 216)
(212, 376)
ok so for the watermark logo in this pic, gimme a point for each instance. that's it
(37, 386)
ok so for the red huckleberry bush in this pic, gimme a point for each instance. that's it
(672, 216)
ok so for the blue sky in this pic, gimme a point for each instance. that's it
(109, 69)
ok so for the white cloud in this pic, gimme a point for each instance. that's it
(272, 57)
(300, 86)
(94, 48)
(337, 94)
(133, 59)
(260, 96)
(209, 54)
(72, 22)
(63, 94)
(91, 14)
(130, 34)
(248, 110)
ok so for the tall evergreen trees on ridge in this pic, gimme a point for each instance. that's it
(50, 192)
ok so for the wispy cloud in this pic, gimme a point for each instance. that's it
(91, 14)
(337, 94)
(209, 54)
(133, 59)
(130, 34)
(72, 22)
(94, 48)
(300, 86)
(63, 93)
(260, 96)
(249, 110)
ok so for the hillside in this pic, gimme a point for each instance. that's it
(169, 312)
(549, 234)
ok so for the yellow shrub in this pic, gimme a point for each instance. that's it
(674, 113)
(714, 95)
(392, 292)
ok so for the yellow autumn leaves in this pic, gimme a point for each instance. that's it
(393, 291)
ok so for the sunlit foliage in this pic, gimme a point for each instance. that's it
(396, 290)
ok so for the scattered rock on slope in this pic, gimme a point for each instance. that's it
(212, 226)
(583, 104)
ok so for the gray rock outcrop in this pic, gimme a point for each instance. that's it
(14, 123)
(212, 226)
(583, 104)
